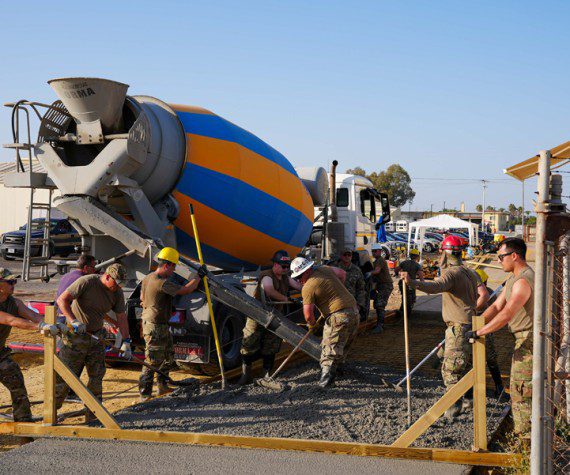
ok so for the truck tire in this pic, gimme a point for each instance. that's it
(230, 325)
(428, 247)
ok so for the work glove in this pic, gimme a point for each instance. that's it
(48, 330)
(471, 336)
(202, 271)
(62, 327)
(368, 275)
(125, 350)
(78, 327)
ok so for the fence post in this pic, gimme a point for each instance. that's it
(479, 390)
(538, 450)
(50, 413)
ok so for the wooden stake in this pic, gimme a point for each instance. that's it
(407, 351)
(50, 411)
(85, 394)
(479, 390)
(436, 411)
(464, 457)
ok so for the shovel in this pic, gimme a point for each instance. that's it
(269, 381)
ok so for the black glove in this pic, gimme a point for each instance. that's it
(471, 336)
(202, 271)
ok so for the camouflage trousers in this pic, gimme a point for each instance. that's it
(490, 353)
(381, 296)
(11, 377)
(521, 383)
(338, 335)
(77, 352)
(456, 355)
(257, 338)
(410, 297)
(159, 352)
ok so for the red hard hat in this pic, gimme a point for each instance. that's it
(451, 243)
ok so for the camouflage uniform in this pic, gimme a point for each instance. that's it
(255, 336)
(521, 382)
(355, 284)
(456, 361)
(383, 288)
(80, 351)
(10, 373)
(338, 335)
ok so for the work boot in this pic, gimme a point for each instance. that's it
(268, 361)
(466, 404)
(453, 411)
(246, 377)
(163, 388)
(328, 374)
(497, 379)
(378, 329)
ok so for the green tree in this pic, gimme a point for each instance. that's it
(396, 182)
(490, 208)
(513, 210)
(479, 208)
(356, 171)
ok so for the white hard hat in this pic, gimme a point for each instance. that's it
(300, 265)
(377, 246)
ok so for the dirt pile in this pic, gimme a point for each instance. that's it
(356, 409)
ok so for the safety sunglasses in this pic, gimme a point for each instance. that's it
(347, 254)
(10, 282)
(285, 266)
(502, 256)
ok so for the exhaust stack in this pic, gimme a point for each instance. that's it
(95, 104)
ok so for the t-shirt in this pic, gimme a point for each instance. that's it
(522, 320)
(459, 288)
(411, 267)
(64, 283)
(9, 306)
(384, 276)
(92, 300)
(325, 290)
(156, 298)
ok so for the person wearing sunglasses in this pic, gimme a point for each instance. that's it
(354, 281)
(85, 266)
(515, 307)
(15, 314)
(85, 304)
(273, 286)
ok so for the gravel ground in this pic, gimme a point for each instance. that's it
(356, 409)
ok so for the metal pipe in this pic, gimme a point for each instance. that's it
(538, 450)
(332, 186)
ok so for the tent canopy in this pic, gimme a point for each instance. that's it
(442, 221)
(527, 169)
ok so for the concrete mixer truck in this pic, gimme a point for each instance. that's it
(125, 169)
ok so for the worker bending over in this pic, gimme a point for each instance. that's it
(273, 286)
(85, 304)
(461, 289)
(382, 286)
(157, 293)
(13, 313)
(354, 281)
(414, 269)
(323, 289)
(515, 308)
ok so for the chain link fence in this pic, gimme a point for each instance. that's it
(557, 394)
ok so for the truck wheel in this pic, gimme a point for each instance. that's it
(385, 253)
(428, 247)
(230, 330)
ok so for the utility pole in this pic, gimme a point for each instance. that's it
(431, 210)
(483, 211)
(522, 214)
(443, 206)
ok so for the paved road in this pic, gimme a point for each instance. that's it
(59, 456)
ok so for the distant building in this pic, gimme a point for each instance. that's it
(496, 221)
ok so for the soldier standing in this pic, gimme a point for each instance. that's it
(414, 269)
(382, 286)
(157, 293)
(323, 288)
(13, 313)
(85, 304)
(273, 286)
(460, 287)
(515, 308)
(354, 281)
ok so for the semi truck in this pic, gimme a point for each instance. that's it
(126, 170)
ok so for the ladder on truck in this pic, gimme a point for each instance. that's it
(26, 177)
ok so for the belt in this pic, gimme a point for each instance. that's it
(522, 334)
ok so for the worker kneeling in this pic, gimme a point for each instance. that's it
(323, 288)
(157, 293)
(273, 286)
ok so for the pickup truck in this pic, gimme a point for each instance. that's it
(63, 239)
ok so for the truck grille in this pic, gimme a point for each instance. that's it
(13, 240)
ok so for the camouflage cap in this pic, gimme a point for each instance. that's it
(117, 272)
(6, 274)
(347, 249)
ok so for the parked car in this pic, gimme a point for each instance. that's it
(430, 244)
(63, 239)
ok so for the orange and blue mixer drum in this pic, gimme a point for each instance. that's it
(247, 197)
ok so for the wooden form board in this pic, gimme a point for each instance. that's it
(50, 413)
(479, 390)
(437, 455)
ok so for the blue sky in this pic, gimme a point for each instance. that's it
(447, 89)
